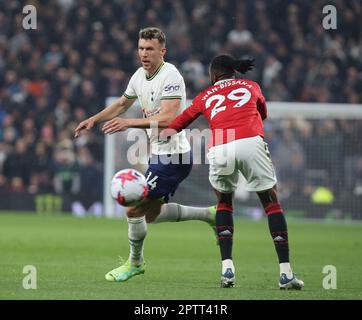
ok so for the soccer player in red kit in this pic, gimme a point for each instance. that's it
(235, 109)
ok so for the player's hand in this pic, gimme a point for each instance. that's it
(115, 125)
(86, 124)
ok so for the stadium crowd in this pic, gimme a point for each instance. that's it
(84, 51)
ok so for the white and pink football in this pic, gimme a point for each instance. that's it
(129, 187)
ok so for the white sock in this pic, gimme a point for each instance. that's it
(227, 263)
(137, 230)
(174, 212)
(285, 268)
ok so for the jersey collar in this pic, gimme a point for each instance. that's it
(155, 73)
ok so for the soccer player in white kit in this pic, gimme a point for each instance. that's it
(160, 89)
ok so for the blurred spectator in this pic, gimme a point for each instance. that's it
(271, 71)
(90, 173)
(42, 170)
(329, 155)
(17, 163)
(90, 192)
(66, 174)
(194, 74)
(16, 184)
(240, 36)
(288, 157)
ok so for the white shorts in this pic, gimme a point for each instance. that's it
(248, 156)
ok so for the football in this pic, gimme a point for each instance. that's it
(129, 187)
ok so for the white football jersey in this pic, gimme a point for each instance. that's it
(165, 83)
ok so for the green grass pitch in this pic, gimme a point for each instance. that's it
(72, 255)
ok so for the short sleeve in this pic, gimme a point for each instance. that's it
(130, 92)
(173, 86)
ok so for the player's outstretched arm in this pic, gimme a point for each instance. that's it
(118, 107)
(168, 113)
(182, 121)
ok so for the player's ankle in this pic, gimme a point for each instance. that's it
(136, 263)
(286, 269)
(228, 264)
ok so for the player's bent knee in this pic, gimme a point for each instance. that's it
(154, 209)
(150, 218)
(134, 212)
(150, 208)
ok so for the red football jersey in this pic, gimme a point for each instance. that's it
(234, 108)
